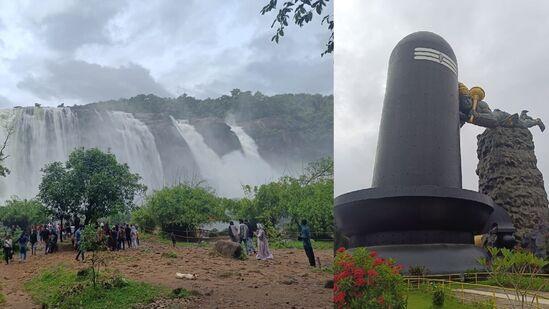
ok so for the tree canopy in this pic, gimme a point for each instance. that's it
(91, 183)
(23, 213)
(179, 208)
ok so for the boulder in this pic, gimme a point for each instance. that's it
(228, 248)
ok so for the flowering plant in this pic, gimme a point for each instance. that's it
(362, 279)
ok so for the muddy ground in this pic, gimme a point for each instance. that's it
(285, 282)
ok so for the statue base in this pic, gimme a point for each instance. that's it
(436, 258)
(428, 226)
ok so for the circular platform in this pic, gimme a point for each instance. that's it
(411, 215)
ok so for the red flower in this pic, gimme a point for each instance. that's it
(373, 254)
(358, 272)
(378, 261)
(341, 275)
(341, 249)
(360, 281)
(372, 273)
(339, 298)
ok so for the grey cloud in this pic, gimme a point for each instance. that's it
(82, 23)
(91, 82)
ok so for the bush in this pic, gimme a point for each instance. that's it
(438, 296)
(179, 208)
(364, 280)
(517, 269)
(418, 270)
(23, 214)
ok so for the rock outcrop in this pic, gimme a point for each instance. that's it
(508, 173)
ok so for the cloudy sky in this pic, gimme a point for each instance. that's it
(83, 51)
(500, 45)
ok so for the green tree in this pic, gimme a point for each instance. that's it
(57, 191)
(92, 184)
(303, 12)
(23, 213)
(309, 196)
(181, 207)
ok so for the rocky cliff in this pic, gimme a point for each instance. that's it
(508, 173)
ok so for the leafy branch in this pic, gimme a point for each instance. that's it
(303, 12)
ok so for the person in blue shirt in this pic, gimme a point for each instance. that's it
(305, 237)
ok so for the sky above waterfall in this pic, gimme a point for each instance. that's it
(500, 45)
(78, 52)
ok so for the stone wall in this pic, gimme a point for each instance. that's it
(508, 173)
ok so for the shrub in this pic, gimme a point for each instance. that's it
(438, 296)
(418, 270)
(364, 280)
(517, 269)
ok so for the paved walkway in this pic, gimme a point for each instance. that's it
(542, 301)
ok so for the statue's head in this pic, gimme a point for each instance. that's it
(463, 90)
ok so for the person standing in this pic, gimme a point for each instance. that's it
(114, 238)
(8, 245)
(33, 241)
(46, 239)
(23, 240)
(262, 244)
(134, 236)
(172, 237)
(78, 238)
(250, 236)
(233, 232)
(128, 233)
(305, 237)
(243, 235)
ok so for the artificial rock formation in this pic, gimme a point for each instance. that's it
(508, 174)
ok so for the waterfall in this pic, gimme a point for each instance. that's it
(44, 135)
(228, 173)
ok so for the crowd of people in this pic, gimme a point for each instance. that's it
(48, 236)
(122, 236)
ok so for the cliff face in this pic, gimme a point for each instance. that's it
(508, 173)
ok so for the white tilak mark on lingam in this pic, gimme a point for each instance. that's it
(424, 53)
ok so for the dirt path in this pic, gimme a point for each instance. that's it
(285, 282)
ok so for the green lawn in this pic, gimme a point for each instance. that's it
(296, 244)
(422, 300)
(61, 287)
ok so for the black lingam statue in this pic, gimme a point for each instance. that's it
(417, 211)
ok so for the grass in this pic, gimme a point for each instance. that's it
(2, 298)
(171, 255)
(296, 244)
(60, 287)
(423, 300)
(535, 284)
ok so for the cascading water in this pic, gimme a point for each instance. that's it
(228, 173)
(44, 135)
